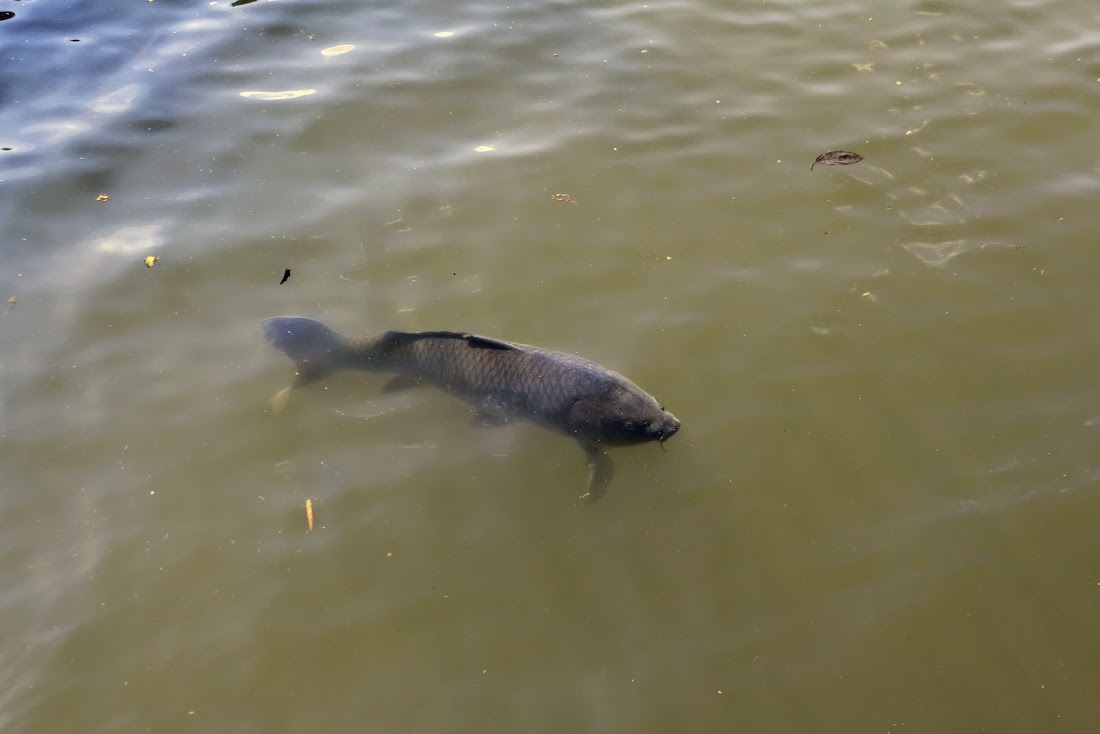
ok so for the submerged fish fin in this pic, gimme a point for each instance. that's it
(401, 382)
(600, 471)
(394, 338)
(279, 400)
(490, 419)
(491, 413)
(484, 342)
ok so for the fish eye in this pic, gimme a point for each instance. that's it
(661, 407)
(645, 424)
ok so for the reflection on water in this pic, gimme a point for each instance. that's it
(882, 502)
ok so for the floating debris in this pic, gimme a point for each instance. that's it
(102, 197)
(337, 50)
(563, 198)
(235, 3)
(273, 96)
(398, 225)
(286, 276)
(837, 158)
(309, 515)
(484, 148)
(6, 15)
(11, 302)
(151, 261)
(443, 34)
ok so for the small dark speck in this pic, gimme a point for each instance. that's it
(286, 276)
(74, 40)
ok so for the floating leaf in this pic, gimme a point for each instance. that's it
(309, 514)
(337, 50)
(151, 261)
(102, 197)
(837, 158)
(272, 96)
(563, 198)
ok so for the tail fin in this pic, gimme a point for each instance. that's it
(315, 349)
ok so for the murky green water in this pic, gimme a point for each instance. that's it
(881, 512)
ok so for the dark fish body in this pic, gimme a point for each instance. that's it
(504, 381)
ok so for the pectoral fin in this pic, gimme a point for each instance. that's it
(600, 471)
(488, 418)
(401, 382)
(492, 412)
(279, 400)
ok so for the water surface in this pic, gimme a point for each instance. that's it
(880, 512)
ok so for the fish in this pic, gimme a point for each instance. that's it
(837, 158)
(504, 382)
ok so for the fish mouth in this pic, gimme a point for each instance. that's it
(668, 431)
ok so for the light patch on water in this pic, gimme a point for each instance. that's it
(202, 24)
(937, 254)
(917, 129)
(337, 50)
(53, 132)
(14, 146)
(272, 96)
(936, 214)
(130, 240)
(119, 100)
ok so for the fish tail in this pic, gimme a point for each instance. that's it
(315, 349)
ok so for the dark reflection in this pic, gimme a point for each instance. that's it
(151, 125)
(280, 29)
(6, 15)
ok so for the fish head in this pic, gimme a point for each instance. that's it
(622, 416)
(315, 349)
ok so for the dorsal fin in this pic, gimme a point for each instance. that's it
(475, 341)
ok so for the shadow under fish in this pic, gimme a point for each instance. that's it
(502, 380)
